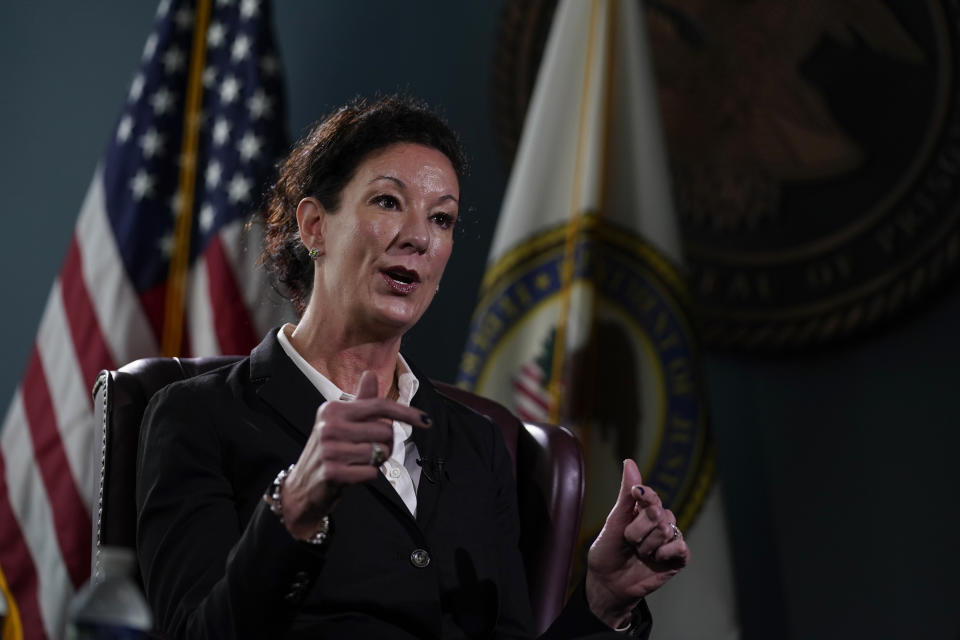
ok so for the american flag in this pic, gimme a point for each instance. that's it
(532, 399)
(158, 263)
(531, 393)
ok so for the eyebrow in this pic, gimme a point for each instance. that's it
(398, 181)
(448, 197)
(402, 185)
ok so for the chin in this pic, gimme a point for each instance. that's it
(398, 316)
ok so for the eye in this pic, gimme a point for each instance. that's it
(444, 220)
(385, 201)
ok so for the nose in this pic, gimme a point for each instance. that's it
(415, 233)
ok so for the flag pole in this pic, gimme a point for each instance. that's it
(172, 340)
(574, 226)
(10, 624)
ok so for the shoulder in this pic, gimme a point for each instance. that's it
(232, 378)
(193, 408)
(205, 387)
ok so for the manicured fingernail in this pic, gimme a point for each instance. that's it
(425, 419)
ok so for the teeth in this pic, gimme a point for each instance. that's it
(401, 278)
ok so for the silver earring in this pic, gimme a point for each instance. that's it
(313, 253)
(437, 290)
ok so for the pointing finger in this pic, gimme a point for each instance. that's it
(382, 408)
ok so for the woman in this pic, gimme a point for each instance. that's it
(352, 538)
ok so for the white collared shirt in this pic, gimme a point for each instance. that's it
(400, 469)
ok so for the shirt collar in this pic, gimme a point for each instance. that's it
(407, 382)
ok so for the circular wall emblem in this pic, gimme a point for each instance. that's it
(631, 379)
(815, 151)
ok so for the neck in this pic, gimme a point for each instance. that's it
(342, 355)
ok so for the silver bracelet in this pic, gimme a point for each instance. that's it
(272, 498)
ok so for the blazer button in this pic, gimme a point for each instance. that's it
(420, 558)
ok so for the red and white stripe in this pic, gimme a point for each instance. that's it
(531, 399)
(29, 551)
(219, 318)
(93, 320)
(114, 302)
(241, 249)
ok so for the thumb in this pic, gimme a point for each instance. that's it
(631, 477)
(368, 386)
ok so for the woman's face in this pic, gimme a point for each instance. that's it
(384, 251)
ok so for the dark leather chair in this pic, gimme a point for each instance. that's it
(548, 463)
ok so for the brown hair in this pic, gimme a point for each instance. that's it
(323, 162)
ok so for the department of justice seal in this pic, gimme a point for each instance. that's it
(815, 151)
(631, 384)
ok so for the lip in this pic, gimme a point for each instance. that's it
(399, 286)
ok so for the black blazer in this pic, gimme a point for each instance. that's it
(217, 563)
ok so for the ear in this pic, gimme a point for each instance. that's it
(311, 219)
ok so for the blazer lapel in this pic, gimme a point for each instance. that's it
(428, 441)
(431, 445)
(282, 386)
(386, 491)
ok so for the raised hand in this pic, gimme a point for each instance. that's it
(636, 552)
(349, 441)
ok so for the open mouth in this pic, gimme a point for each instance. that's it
(402, 275)
(401, 280)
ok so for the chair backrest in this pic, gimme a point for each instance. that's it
(548, 465)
